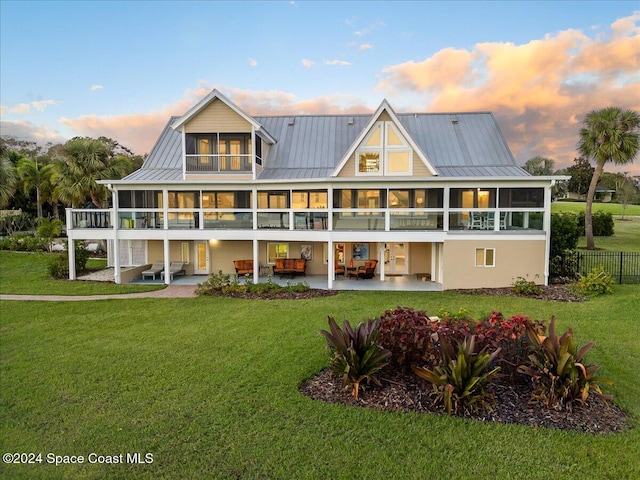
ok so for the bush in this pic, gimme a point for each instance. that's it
(23, 242)
(406, 333)
(596, 282)
(557, 369)
(231, 284)
(522, 286)
(461, 378)
(565, 233)
(602, 223)
(356, 355)
(59, 265)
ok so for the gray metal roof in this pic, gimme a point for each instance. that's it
(311, 146)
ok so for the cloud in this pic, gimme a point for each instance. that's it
(25, 108)
(308, 64)
(253, 62)
(341, 63)
(96, 87)
(365, 46)
(539, 91)
(26, 130)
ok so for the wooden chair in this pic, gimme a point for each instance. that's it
(367, 270)
(339, 269)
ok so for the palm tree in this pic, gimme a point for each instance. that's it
(35, 175)
(539, 166)
(607, 135)
(85, 161)
(8, 177)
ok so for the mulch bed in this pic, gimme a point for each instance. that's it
(406, 392)
(556, 293)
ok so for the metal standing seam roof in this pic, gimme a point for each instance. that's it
(311, 146)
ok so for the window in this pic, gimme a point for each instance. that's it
(184, 252)
(310, 199)
(276, 250)
(521, 198)
(485, 257)
(273, 199)
(237, 199)
(384, 151)
(416, 198)
(183, 199)
(472, 198)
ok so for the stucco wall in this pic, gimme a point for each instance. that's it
(513, 258)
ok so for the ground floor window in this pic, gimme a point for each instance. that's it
(485, 257)
(277, 250)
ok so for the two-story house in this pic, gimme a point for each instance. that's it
(436, 194)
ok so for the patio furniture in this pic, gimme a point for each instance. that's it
(367, 270)
(175, 268)
(476, 221)
(290, 266)
(243, 267)
(339, 269)
(155, 268)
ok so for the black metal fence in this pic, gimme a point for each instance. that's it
(624, 267)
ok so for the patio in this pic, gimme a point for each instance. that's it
(404, 283)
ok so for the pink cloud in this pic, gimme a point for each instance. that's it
(538, 91)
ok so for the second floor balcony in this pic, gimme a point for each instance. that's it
(219, 164)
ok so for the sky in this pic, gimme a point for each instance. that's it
(120, 69)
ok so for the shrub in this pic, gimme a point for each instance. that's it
(564, 268)
(522, 286)
(565, 233)
(596, 282)
(230, 284)
(461, 378)
(59, 265)
(406, 333)
(22, 242)
(557, 369)
(356, 355)
(461, 314)
(602, 223)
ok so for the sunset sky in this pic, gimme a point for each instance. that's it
(120, 69)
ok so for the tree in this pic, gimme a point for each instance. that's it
(36, 175)
(607, 135)
(581, 173)
(539, 166)
(8, 177)
(86, 160)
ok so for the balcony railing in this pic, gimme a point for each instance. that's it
(469, 220)
(219, 163)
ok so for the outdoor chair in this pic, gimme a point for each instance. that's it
(156, 268)
(339, 269)
(476, 221)
(175, 268)
(367, 270)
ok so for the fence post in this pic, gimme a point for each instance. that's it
(621, 263)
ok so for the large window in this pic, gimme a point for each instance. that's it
(275, 251)
(384, 151)
(472, 198)
(219, 152)
(276, 199)
(309, 199)
(416, 198)
(237, 199)
(140, 198)
(183, 200)
(359, 198)
(521, 198)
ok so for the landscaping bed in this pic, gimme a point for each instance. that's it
(556, 293)
(272, 295)
(406, 392)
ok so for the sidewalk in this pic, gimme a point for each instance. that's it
(172, 291)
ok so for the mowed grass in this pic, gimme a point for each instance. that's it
(209, 386)
(26, 274)
(626, 236)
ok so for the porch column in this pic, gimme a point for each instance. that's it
(71, 249)
(546, 226)
(381, 260)
(256, 262)
(167, 261)
(116, 242)
(434, 252)
(331, 263)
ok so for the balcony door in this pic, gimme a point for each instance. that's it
(396, 258)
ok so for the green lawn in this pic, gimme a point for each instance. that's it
(626, 237)
(209, 386)
(26, 274)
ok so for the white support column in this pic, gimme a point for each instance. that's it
(381, 260)
(445, 204)
(116, 243)
(434, 263)
(331, 263)
(167, 261)
(71, 248)
(256, 262)
(546, 225)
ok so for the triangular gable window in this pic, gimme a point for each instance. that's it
(384, 152)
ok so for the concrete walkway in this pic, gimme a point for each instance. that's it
(172, 291)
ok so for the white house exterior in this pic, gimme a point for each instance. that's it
(436, 194)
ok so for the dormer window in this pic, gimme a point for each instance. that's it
(384, 151)
(219, 153)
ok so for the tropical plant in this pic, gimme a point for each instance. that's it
(86, 160)
(557, 369)
(539, 166)
(581, 173)
(607, 135)
(49, 229)
(59, 265)
(596, 282)
(460, 381)
(8, 177)
(36, 175)
(522, 286)
(356, 355)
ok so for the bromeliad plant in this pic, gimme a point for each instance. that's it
(557, 369)
(356, 355)
(461, 378)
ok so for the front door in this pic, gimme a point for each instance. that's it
(202, 258)
(396, 258)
